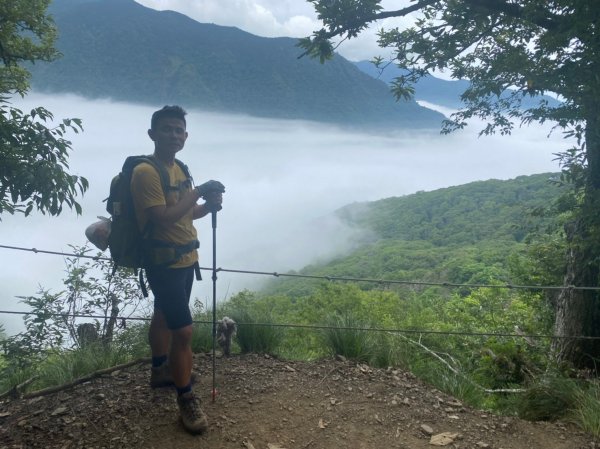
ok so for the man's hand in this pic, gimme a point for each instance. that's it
(212, 192)
(210, 187)
(214, 201)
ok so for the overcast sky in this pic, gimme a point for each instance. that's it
(277, 18)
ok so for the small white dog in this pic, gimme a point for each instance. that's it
(226, 329)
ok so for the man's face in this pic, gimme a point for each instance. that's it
(169, 135)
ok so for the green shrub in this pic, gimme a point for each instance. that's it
(202, 338)
(133, 340)
(11, 375)
(65, 366)
(347, 336)
(551, 397)
(586, 411)
(300, 343)
(501, 364)
(382, 350)
(256, 333)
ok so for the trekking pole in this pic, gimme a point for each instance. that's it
(213, 213)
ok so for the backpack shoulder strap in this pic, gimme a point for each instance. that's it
(132, 161)
(185, 169)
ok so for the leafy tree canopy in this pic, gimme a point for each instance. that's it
(33, 156)
(26, 34)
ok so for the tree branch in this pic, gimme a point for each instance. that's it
(458, 373)
(15, 391)
(404, 11)
(515, 11)
(339, 31)
(84, 379)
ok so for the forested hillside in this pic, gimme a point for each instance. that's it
(461, 234)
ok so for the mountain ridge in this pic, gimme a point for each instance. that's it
(435, 90)
(122, 50)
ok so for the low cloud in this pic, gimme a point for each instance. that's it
(284, 180)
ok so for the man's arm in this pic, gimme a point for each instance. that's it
(166, 215)
(201, 210)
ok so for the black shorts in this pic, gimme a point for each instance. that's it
(172, 288)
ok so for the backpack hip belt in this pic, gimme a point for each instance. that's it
(161, 253)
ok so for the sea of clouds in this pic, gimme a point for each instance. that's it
(284, 181)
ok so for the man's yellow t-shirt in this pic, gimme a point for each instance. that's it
(147, 191)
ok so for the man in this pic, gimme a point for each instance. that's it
(171, 259)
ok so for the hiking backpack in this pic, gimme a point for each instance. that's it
(127, 243)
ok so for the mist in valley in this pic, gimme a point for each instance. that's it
(284, 180)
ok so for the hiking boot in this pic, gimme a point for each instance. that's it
(193, 418)
(161, 376)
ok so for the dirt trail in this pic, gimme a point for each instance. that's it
(265, 403)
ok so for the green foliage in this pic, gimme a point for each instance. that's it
(345, 335)
(132, 339)
(384, 350)
(464, 234)
(257, 334)
(27, 33)
(90, 290)
(462, 365)
(349, 15)
(62, 367)
(430, 370)
(587, 408)
(13, 375)
(501, 364)
(202, 335)
(550, 397)
(460, 215)
(495, 254)
(256, 328)
(42, 351)
(33, 156)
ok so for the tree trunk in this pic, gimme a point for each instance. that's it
(578, 311)
(110, 325)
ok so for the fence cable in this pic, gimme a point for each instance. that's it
(339, 278)
(325, 327)
(334, 278)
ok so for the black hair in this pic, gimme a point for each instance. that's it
(168, 111)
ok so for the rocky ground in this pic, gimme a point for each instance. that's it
(265, 403)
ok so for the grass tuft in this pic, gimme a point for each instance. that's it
(586, 412)
(202, 338)
(345, 335)
(66, 366)
(255, 333)
(549, 399)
